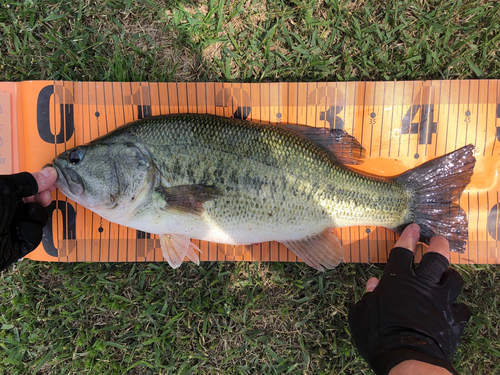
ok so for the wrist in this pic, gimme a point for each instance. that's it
(413, 367)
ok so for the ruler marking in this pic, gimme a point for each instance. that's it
(496, 234)
(152, 235)
(401, 119)
(55, 154)
(116, 125)
(297, 109)
(496, 120)
(362, 128)
(107, 131)
(307, 106)
(251, 112)
(477, 228)
(458, 113)
(363, 113)
(317, 101)
(206, 100)
(134, 118)
(159, 103)
(477, 116)
(66, 224)
(428, 124)
(177, 95)
(371, 123)
(438, 104)
(353, 119)
(468, 109)
(392, 116)
(447, 121)
(411, 117)
(487, 240)
(125, 119)
(168, 98)
(287, 102)
(350, 243)
(92, 213)
(372, 126)
(379, 152)
(486, 122)
(362, 131)
(382, 124)
(74, 140)
(98, 134)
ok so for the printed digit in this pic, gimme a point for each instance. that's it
(427, 126)
(66, 120)
(68, 225)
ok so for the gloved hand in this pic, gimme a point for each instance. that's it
(22, 220)
(411, 314)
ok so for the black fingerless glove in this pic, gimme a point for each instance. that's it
(410, 314)
(21, 224)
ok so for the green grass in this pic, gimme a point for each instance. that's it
(235, 318)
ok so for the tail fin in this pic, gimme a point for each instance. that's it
(437, 186)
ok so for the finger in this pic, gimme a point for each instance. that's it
(45, 178)
(30, 234)
(34, 213)
(18, 185)
(44, 198)
(454, 282)
(462, 314)
(371, 284)
(409, 237)
(439, 245)
(432, 267)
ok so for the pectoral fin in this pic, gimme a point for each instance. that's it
(345, 147)
(188, 198)
(175, 248)
(320, 251)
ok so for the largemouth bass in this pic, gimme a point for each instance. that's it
(235, 182)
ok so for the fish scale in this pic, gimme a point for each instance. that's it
(236, 182)
(272, 149)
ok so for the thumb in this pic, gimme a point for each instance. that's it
(371, 284)
(45, 178)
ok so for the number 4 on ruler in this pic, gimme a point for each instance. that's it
(427, 126)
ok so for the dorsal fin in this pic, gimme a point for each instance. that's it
(345, 147)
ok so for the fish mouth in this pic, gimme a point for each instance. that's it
(68, 181)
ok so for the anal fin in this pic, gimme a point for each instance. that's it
(175, 248)
(320, 251)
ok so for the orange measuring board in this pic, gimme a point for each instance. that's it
(400, 124)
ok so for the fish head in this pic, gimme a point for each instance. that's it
(106, 177)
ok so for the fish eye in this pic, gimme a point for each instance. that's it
(75, 156)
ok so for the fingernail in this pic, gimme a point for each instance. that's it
(48, 172)
(415, 226)
(371, 284)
